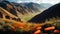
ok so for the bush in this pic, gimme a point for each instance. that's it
(57, 25)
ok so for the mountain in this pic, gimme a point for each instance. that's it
(23, 8)
(45, 5)
(32, 6)
(12, 7)
(19, 9)
(7, 15)
(5, 12)
(27, 7)
(9, 7)
(36, 7)
(51, 12)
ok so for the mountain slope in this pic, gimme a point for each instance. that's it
(22, 9)
(7, 13)
(13, 7)
(53, 11)
(9, 7)
(45, 5)
(30, 7)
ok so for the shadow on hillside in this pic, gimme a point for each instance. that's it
(51, 12)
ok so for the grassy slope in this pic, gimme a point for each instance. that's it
(23, 26)
(27, 17)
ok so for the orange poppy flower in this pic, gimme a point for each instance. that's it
(50, 28)
(56, 31)
(37, 32)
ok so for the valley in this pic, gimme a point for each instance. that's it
(29, 18)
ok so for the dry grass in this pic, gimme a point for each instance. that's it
(23, 26)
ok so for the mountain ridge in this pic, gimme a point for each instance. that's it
(21, 9)
(47, 14)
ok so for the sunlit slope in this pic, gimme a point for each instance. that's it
(6, 12)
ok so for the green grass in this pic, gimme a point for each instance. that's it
(29, 16)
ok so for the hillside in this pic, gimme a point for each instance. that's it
(45, 5)
(23, 10)
(15, 18)
(7, 15)
(51, 12)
